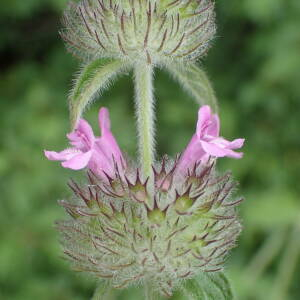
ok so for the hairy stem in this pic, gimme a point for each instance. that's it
(143, 75)
(103, 292)
(195, 82)
(150, 294)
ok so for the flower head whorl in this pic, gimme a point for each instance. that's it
(170, 225)
(147, 30)
(129, 230)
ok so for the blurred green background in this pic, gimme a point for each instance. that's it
(255, 68)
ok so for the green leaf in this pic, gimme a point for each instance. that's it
(195, 82)
(92, 80)
(208, 286)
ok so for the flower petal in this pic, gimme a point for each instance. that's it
(63, 155)
(99, 163)
(218, 150)
(107, 144)
(236, 144)
(191, 155)
(214, 128)
(204, 118)
(104, 121)
(78, 162)
(82, 136)
(234, 154)
(213, 149)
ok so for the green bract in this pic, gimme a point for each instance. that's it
(155, 31)
(130, 230)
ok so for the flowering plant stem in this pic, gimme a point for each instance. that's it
(150, 294)
(103, 292)
(143, 74)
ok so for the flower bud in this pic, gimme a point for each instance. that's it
(153, 31)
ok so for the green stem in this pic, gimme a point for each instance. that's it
(150, 294)
(103, 292)
(143, 74)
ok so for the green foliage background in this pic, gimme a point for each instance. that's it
(255, 68)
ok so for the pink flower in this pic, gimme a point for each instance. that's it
(206, 142)
(100, 154)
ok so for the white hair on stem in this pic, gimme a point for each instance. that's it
(144, 100)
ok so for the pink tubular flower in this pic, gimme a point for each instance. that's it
(206, 142)
(100, 154)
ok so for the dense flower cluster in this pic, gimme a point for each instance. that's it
(128, 231)
(128, 228)
(152, 30)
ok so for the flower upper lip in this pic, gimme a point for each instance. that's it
(82, 137)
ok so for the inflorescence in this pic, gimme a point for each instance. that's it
(149, 222)
(137, 30)
(128, 227)
(127, 230)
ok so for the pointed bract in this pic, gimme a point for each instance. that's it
(149, 232)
